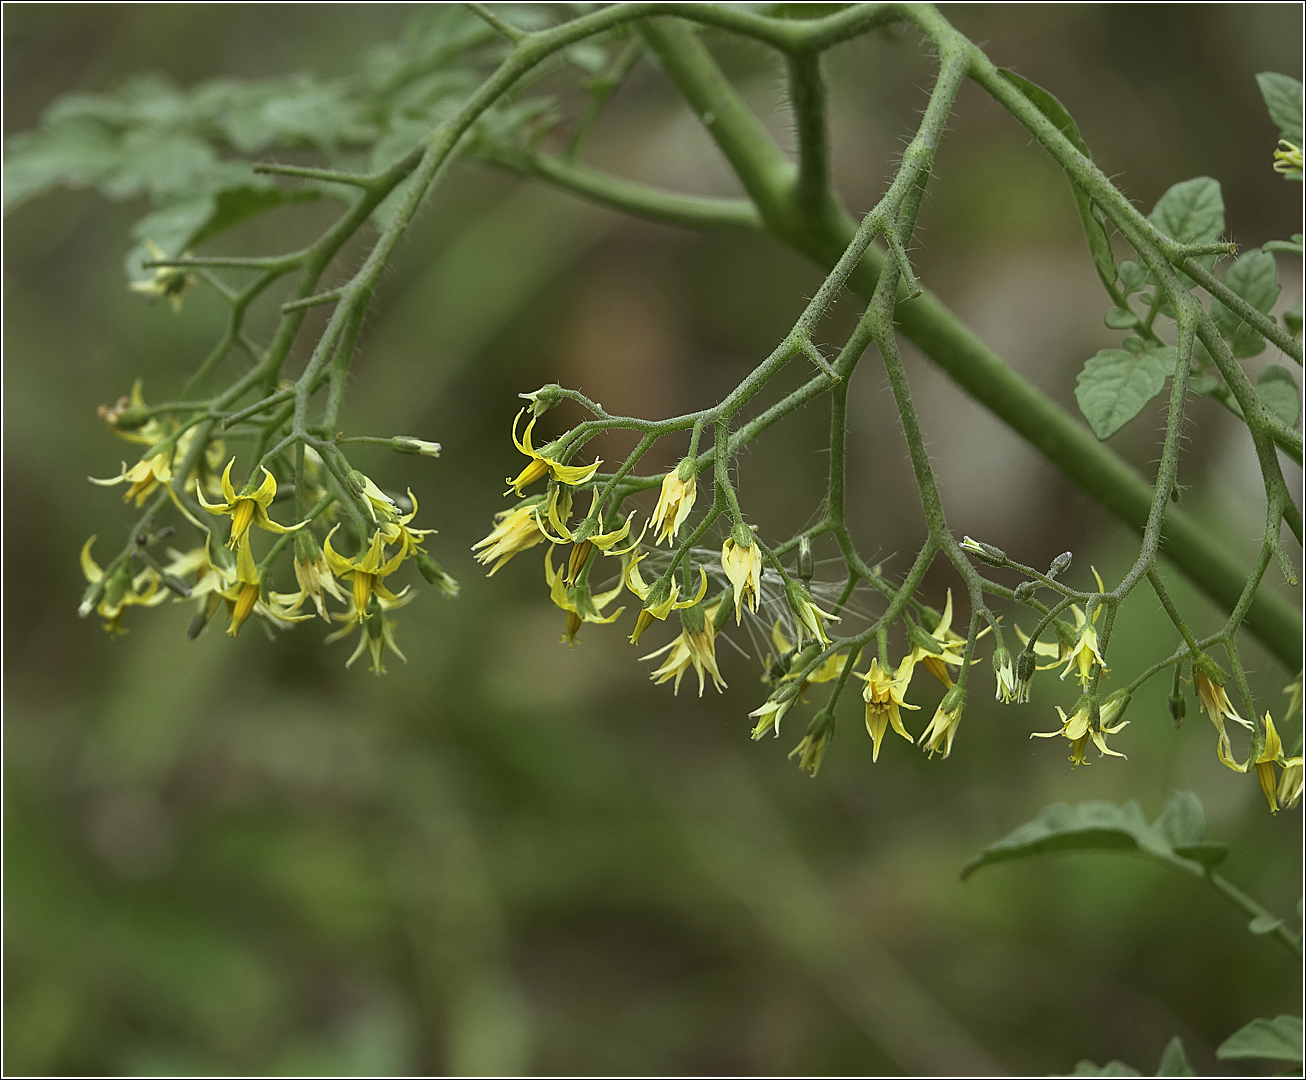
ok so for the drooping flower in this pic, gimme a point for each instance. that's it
(675, 501)
(1288, 160)
(772, 712)
(937, 737)
(811, 748)
(808, 618)
(145, 476)
(883, 695)
(695, 647)
(742, 564)
(1213, 698)
(212, 578)
(1084, 653)
(316, 581)
(1079, 728)
(129, 418)
(120, 591)
(577, 601)
(1290, 782)
(659, 599)
(587, 537)
(951, 647)
(375, 631)
(366, 572)
(248, 508)
(541, 466)
(1270, 755)
(1005, 676)
(520, 528)
(244, 596)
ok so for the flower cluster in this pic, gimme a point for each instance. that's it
(225, 571)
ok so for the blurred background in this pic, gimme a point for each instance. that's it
(508, 857)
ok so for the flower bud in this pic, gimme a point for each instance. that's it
(357, 481)
(986, 553)
(430, 569)
(544, 399)
(1178, 705)
(806, 562)
(1060, 564)
(1113, 708)
(724, 607)
(918, 636)
(1006, 678)
(405, 444)
(1025, 590)
(1026, 663)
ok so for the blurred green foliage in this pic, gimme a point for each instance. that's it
(237, 857)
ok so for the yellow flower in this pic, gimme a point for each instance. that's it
(771, 713)
(375, 631)
(1213, 698)
(1078, 727)
(146, 475)
(809, 619)
(544, 466)
(789, 664)
(120, 591)
(675, 501)
(170, 281)
(587, 537)
(1005, 675)
(576, 600)
(248, 508)
(952, 647)
(937, 738)
(811, 748)
(366, 571)
(659, 599)
(396, 529)
(695, 647)
(1084, 653)
(211, 579)
(314, 575)
(520, 528)
(1288, 160)
(743, 566)
(1271, 753)
(244, 597)
(1290, 782)
(883, 695)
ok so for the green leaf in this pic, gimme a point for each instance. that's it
(1199, 383)
(1174, 1062)
(1133, 276)
(1191, 212)
(1278, 389)
(1088, 826)
(1209, 853)
(1279, 1039)
(1254, 277)
(1283, 98)
(1099, 244)
(1292, 319)
(1111, 1068)
(1119, 318)
(1292, 247)
(1115, 385)
(1182, 821)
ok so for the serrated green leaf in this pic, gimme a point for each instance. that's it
(1201, 383)
(76, 154)
(1099, 243)
(1278, 389)
(1174, 1062)
(1111, 1068)
(1115, 385)
(1283, 98)
(1279, 1039)
(1183, 821)
(1089, 826)
(1208, 852)
(1254, 277)
(1191, 212)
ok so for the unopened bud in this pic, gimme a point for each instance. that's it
(806, 561)
(1178, 708)
(1025, 590)
(1026, 664)
(430, 569)
(725, 606)
(1060, 564)
(117, 584)
(405, 444)
(987, 553)
(918, 636)
(175, 584)
(357, 481)
(544, 399)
